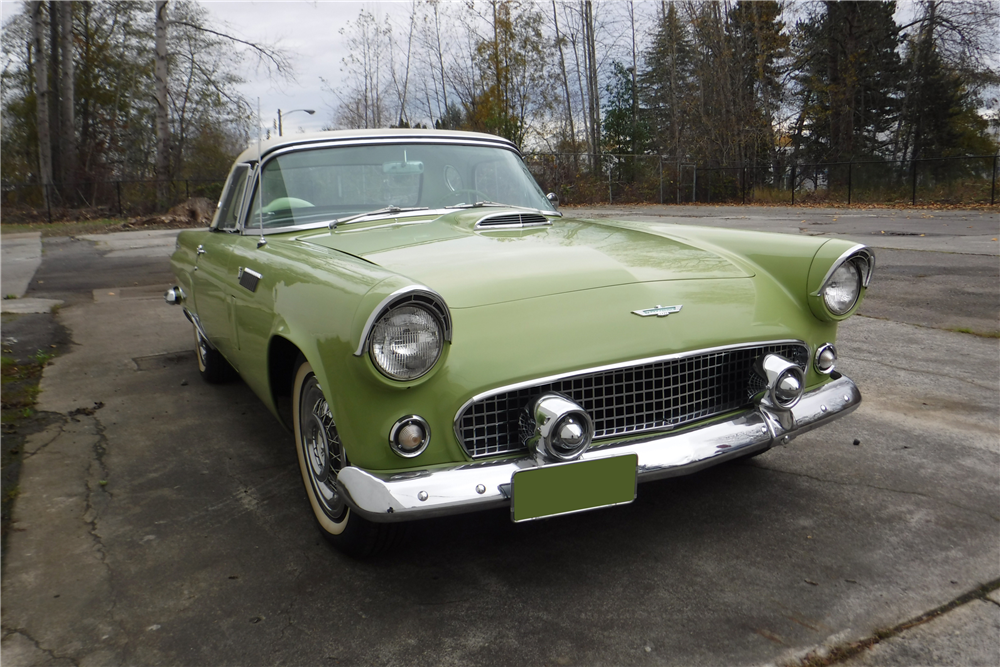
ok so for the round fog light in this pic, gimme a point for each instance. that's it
(569, 434)
(554, 428)
(788, 389)
(409, 436)
(784, 380)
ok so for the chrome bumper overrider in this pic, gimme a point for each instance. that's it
(470, 487)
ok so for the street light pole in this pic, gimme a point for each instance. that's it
(308, 111)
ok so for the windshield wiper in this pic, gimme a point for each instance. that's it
(387, 209)
(481, 204)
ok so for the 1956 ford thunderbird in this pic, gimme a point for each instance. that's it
(441, 339)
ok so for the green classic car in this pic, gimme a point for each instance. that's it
(441, 339)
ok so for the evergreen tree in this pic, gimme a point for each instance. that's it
(667, 86)
(759, 44)
(625, 131)
(850, 80)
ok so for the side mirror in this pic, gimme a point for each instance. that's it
(553, 199)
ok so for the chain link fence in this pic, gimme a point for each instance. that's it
(123, 198)
(610, 179)
(619, 179)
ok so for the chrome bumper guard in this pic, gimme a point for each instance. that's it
(471, 487)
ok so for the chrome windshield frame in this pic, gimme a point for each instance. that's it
(247, 225)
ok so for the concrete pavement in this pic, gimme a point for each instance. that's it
(22, 255)
(161, 520)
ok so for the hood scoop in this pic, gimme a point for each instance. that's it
(512, 221)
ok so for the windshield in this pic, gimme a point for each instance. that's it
(324, 184)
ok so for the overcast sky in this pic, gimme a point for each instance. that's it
(310, 33)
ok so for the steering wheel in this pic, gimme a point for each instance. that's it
(455, 197)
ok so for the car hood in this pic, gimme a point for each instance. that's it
(474, 267)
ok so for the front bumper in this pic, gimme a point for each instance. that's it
(471, 487)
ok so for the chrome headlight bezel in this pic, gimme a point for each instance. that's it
(417, 302)
(854, 270)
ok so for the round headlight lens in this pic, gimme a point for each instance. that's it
(406, 342)
(842, 289)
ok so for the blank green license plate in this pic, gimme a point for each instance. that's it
(573, 487)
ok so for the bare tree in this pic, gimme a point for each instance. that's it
(67, 100)
(160, 74)
(593, 87)
(563, 76)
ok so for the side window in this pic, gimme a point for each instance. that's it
(229, 206)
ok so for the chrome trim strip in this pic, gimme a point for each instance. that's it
(859, 249)
(377, 312)
(326, 142)
(455, 488)
(610, 367)
(193, 319)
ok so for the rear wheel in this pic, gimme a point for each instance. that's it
(321, 458)
(213, 366)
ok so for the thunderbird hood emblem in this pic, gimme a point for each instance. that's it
(659, 311)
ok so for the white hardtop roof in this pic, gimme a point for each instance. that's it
(269, 145)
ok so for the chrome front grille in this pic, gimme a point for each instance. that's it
(654, 395)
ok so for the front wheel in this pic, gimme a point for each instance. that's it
(321, 458)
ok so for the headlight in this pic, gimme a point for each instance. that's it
(406, 342)
(842, 289)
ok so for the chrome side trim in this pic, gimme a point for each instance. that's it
(193, 319)
(859, 249)
(462, 487)
(611, 367)
(248, 279)
(398, 295)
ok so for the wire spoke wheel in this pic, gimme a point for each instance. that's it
(321, 448)
(322, 456)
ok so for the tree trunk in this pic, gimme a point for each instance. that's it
(565, 80)
(593, 91)
(55, 12)
(162, 109)
(42, 97)
(67, 99)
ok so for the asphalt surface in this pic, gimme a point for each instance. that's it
(161, 520)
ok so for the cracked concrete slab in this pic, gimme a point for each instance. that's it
(964, 637)
(57, 587)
